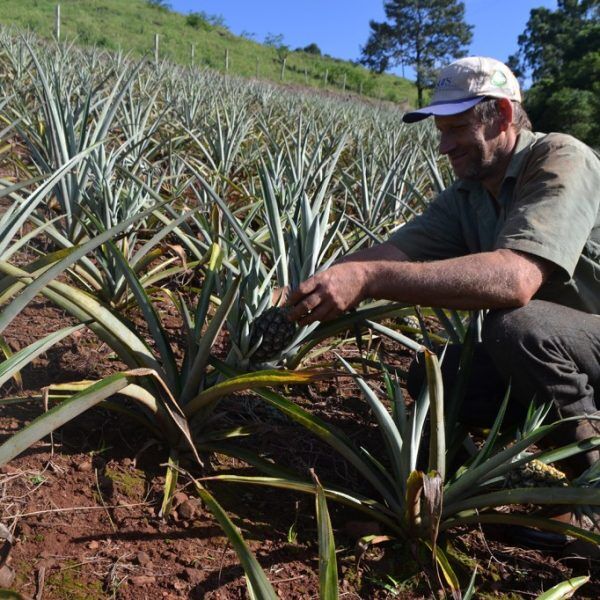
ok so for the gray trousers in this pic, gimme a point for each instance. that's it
(549, 352)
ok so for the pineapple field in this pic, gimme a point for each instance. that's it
(165, 431)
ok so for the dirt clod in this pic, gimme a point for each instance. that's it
(179, 498)
(186, 510)
(8, 470)
(194, 576)
(7, 576)
(143, 559)
(140, 580)
(84, 466)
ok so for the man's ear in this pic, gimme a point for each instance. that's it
(505, 111)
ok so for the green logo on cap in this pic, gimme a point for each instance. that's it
(498, 79)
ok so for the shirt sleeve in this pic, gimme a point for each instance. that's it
(555, 202)
(435, 234)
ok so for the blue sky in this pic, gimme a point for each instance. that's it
(341, 27)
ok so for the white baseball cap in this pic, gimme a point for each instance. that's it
(466, 82)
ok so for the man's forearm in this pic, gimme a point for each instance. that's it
(497, 279)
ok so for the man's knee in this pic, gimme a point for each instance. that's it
(534, 325)
(517, 342)
(507, 329)
(548, 350)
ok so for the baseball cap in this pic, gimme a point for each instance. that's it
(466, 82)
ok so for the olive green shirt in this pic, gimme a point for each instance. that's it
(549, 206)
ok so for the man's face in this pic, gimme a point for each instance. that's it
(473, 148)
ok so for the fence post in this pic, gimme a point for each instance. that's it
(283, 68)
(257, 67)
(326, 76)
(227, 59)
(305, 75)
(360, 88)
(193, 53)
(156, 48)
(344, 84)
(57, 23)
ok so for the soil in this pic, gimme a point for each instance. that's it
(84, 505)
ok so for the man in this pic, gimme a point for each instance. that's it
(518, 233)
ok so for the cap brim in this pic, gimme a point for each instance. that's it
(442, 109)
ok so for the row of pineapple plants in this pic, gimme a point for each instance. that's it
(142, 184)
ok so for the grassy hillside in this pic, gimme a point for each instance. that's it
(131, 25)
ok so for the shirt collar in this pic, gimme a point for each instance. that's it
(522, 148)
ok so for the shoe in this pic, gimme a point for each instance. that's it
(554, 542)
(579, 431)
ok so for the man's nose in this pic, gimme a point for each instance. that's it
(446, 144)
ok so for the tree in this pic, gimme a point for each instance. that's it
(311, 49)
(203, 20)
(560, 51)
(376, 52)
(276, 41)
(421, 33)
(197, 21)
(160, 4)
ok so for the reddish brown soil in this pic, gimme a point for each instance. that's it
(84, 505)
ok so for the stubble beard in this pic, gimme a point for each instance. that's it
(480, 169)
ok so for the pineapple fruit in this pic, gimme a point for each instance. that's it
(536, 474)
(272, 332)
(413, 322)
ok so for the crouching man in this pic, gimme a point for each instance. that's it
(518, 234)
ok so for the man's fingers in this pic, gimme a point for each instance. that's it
(304, 289)
(304, 307)
(280, 296)
(322, 313)
(297, 311)
(316, 299)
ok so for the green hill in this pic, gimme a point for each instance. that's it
(131, 26)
